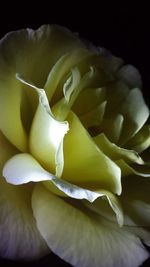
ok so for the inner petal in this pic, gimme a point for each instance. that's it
(84, 163)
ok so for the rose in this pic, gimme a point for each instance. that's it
(72, 128)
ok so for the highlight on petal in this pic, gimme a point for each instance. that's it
(23, 168)
(49, 136)
(85, 164)
(84, 239)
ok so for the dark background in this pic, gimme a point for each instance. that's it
(123, 29)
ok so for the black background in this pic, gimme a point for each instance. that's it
(123, 29)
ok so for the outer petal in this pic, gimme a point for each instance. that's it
(33, 53)
(130, 75)
(20, 238)
(10, 109)
(82, 238)
(19, 235)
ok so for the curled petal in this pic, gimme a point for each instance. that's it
(49, 136)
(62, 67)
(126, 169)
(23, 168)
(115, 152)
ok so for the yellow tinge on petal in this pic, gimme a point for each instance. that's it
(84, 163)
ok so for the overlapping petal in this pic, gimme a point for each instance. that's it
(23, 168)
(115, 152)
(84, 239)
(20, 238)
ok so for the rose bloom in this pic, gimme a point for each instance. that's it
(74, 152)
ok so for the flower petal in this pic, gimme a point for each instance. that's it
(112, 126)
(126, 169)
(88, 100)
(19, 236)
(10, 109)
(7, 151)
(49, 136)
(135, 113)
(130, 76)
(94, 117)
(93, 167)
(142, 233)
(140, 141)
(135, 200)
(63, 67)
(23, 168)
(33, 53)
(115, 152)
(81, 237)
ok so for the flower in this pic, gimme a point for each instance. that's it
(74, 152)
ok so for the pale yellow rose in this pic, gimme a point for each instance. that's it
(74, 140)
